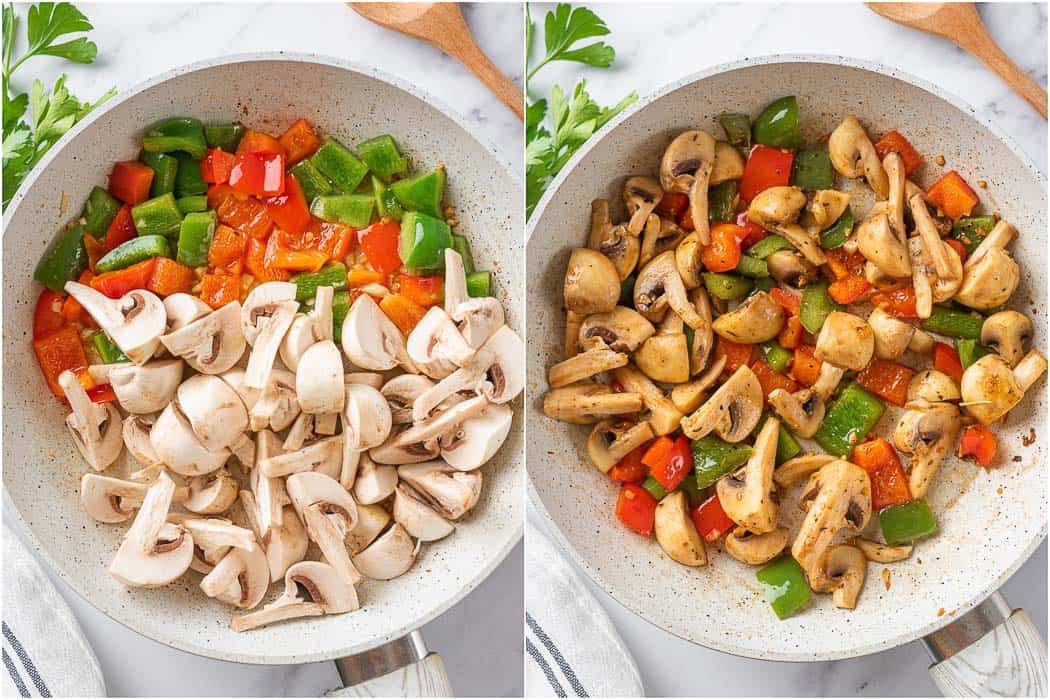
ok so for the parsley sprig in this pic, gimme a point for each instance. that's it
(554, 131)
(51, 112)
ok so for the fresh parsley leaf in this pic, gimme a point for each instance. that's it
(566, 26)
(47, 21)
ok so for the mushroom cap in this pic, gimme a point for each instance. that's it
(845, 341)
(235, 378)
(146, 388)
(389, 556)
(374, 482)
(853, 154)
(846, 568)
(641, 194)
(505, 356)
(592, 284)
(401, 392)
(824, 209)
(324, 456)
(1007, 333)
(324, 585)
(299, 337)
(319, 381)
(178, 447)
(732, 411)
(623, 329)
(183, 309)
(370, 340)
(419, 519)
(153, 552)
(880, 245)
(659, 285)
(676, 533)
(934, 386)
(102, 497)
(478, 318)
(211, 494)
(728, 165)
(688, 152)
(775, 206)
(135, 322)
(758, 319)
(214, 411)
(663, 416)
(313, 488)
(368, 418)
(746, 493)
(791, 268)
(211, 344)
(452, 492)
(687, 258)
(989, 389)
(136, 438)
(891, 334)
(371, 520)
(261, 303)
(750, 548)
(392, 452)
(928, 431)
(96, 428)
(240, 579)
(991, 282)
(664, 358)
(477, 439)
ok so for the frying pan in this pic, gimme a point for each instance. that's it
(990, 522)
(42, 467)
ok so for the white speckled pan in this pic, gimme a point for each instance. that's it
(990, 522)
(42, 467)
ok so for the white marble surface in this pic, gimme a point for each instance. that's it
(480, 638)
(664, 43)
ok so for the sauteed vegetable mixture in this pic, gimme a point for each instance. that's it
(296, 351)
(743, 330)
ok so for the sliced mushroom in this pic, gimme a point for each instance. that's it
(136, 438)
(799, 468)
(845, 568)
(210, 534)
(880, 245)
(573, 321)
(729, 164)
(211, 494)
(308, 329)
(853, 155)
(367, 417)
(893, 336)
(614, 242)
(154, 552)
(453, 493)
(934, 386)
(265, 323)
(660, 235)
(676, 533)
(183, 309)
(419, 519)
(777, 209)
(686, 167)
(436, 342)
(732, 411)
(371, 340)
(211, 344)
(802, 410)
(688, 261)
(135, 322)
(110, 500)
(927, 431)
(758, 319)
(374, 482)
(268, 492)
(990, 388)
(597, 358)
(751, 548)
(611, 440)
(371, 521)
(746, 495)
(623, 329)
(329, 594)
(845, 341)
(329, 513)
(592, 284)
(96, 428)
(824, 208)
(392, 452)
(990, 282)
(177, 445)
(791, 268)
(401, 392)
(319, 381)
(284, 544)
(664, 357)
(940, 254)
(277, 405)
(587, 402)
(214, 411)
(391, 555)
(324, 456)
(660, 286)
(145, 388)
(689, 396)
(641, 194)
(477, 439)
(879, 552)
(663, 416)
(1007, 333)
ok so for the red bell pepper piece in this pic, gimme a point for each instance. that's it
(636, 509)
(900, 301)
(245, 214)
(672, 204)
(889, 483)
(299, 141)
(958, 247)
(170, 277)
(844, 264)
(255, 261)
(979, 442)
(130, 181)
(258, 142)
(766, 167)
(218, 290)
(893, 142)
(710, 519)
(946, 359)
(736, 354)
(101, 393)
(630, 469)
(805, 367)
(790, 336)
(658, 451)
(953, 195)
(260, 174)
(216, 166)
(769, 379)
(219, 193)
(848, 289)
(47, 316)
(723, 253)
(58, 351)
(121, 230)
(887, 379)
(791, 302)
(119, 282)
(71, 310)
(677, 464)
(379, 242)
(755, 233)
(289, 210)
(426, 290)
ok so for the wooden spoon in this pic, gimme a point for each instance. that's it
(442, 24)
(959, 22)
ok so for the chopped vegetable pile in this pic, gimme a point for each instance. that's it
(750, 321)
(344, 356)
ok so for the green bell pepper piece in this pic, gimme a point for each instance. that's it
(338, 164)
(386, 203)
(195, 236)
(306, 283)
(784, 586)
(775, 356)
(849, 420)
(107, 349)
(812, 169)
(423, 241)
(461, 245)
(224, 136)
(340, 307)
(763, 284)
(99, 211)
(713, 458)
(381, 156)
(654, 487)
(310, 179)
(970, 351)
(165, 168)
(737, 128)
(188, 180)
(197, 202)
(179, 134)
(64, 260)
(350, 209)
(767, 246)
(816, 305)
(134, 251)
(159, 216)
(836, 234)
(423, 193)
(952, 323)
(971, 230)
(907, 522)
(726, 286)
(787, 445)
(627, 290)
(777, 125)
(479, 284)
(751, 267)
(721, 202)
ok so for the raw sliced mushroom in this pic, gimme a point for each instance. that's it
(371, 521)
(755, 549)
(276, 405)
(476, 317)
(240, 579)
(746, 495)
(319, 381)
(96, 428)
(732, 411)
(592, 284)
(393, 452)
(389, 556)
(853, 155)
(110, 500)
(268, 492)
(284, 544)
(145, 388)
(177, 445)
(990, 388)
(216, 533)
(308, 329)
(436, 343)
(477, 439)
(443, 422)
(214, 411)
(588, 402)
(134, 322)
(182, 309)
(453, 493)
(611, 440)
(154, 552)
(211, 494)
(265, 321)
(211, 344)
(329, 513)
(419, 519)
(368, 418)
(758, 319)
(374, 482)
(1007, 333)
(623, 329)
(676, 533)
(261, 305)
(371, 341)
(329, 594)
(324, 456)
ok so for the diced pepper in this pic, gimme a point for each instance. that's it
(245, 214)
(784, 586)
(95, 251)
(99, 211)
(958, 247)
(971, 230)
(751, 267)
(218, 290)
(893, 142)
(255, 262)
(805, 368)
(775, 356)
(847, 290)
(330, 237)
(777, 124)
(404, 312)
(386, 203)
(713, 458)
(946, 360)
(969, 351)
(769, 379)
(889, 483)
(216, 166)
(306, 284)
(350, 209)
(461, 245)
(479, 284)
(845, 264)
(381, 156)
(258, 142)
(726, 286)
(769, 245)
(165, 168)
(64, 259)
(195, 238)
(380, 242)
(816, 305)
(837, 234)
(887, 379)
(119, 282)
(189, 180)
(57, 352)
(289, 209)
(787, 445)
(227, 245)
(737, 128)
(658, 451)
(953, 196)
(710, 519)
(907, 522)
(672, 204)
(260, 173)
(159, 216)
(654, 487)
(224, 136)
(636, 509)
(790, 336)
(107, 349)
(423, 240)
(956, 324)
(423, 193)
(178, 134)
(676, 465)
(130, 181)
(766, 167)
(789, 301)
(630, 469)
(340, 308)
(736, 354)
(312, 182)
(723, 252)
(134, 251)
(47, 315)
(813, 169)
(195, 203)
(300, 141)
(721, 202)
(101, 393)
(121, 230)
(848, 421)
(426, 290)
(169, 277)
(979, 442)
(281, 255)
(900, 301)
(359, 277)
(338, 164)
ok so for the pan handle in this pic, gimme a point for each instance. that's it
(991, 651)
(402, 668)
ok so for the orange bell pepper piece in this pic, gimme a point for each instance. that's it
(216, 166)
(57, 352)
(889, 483)
(723, 253)
(219, 290)
(404, 312)
(379, 242)
(979, 442)
(805, 367)
(672, 204)
(258, 142)
(736, 354)
(130, 181)
(900, 301)
(790, 336)
(946, 359)
(953, 195)
(894, 142)
(426, 290)
(170, 277)
(119, 282)
(299, 141)
(245, 214)
(849, 289)
(282, 256)
(845, 264)
(359, 277)
(289, 209)
(227, 245)
(656, 456)
(630, 469)
(769, 379)
(887, 379)
(791, 302)
(255, 261)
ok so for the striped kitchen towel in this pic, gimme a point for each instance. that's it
(45, 653)
(572, 648)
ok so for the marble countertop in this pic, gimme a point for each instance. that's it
(480, 638)
(674, 41)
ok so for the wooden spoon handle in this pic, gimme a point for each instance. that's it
(470, 55)
(983, 47)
